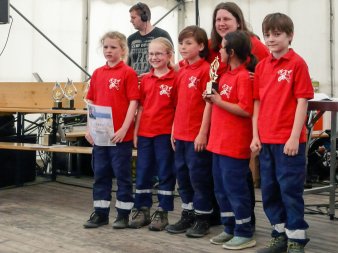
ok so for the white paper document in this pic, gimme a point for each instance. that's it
(100, 124)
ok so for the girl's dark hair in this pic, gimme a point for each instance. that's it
(199, 35)
(234, 9)
(240, 43)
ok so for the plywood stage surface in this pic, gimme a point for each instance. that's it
(48, 217)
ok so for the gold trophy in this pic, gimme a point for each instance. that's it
(57, 95)
(212, 84)
(70, 93)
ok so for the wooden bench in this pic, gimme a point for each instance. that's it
(39, 147)
(23, 98)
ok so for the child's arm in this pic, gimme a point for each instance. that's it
(230, 107)
(292, 144)
(201, 140)
(137, 123)
(255, 145)
(121, 133)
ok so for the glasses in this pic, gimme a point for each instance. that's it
(156, 54)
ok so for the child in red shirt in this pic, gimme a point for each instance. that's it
(113, 85)
(229, 141)
(228, 17)
(152, 138)
(282, 87)
(190, 135)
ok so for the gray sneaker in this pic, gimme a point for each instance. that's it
(121, 222)
(221, 238)
(295, 247)
(140, 217)
(159, 220)
(239, 242)
(276, 245)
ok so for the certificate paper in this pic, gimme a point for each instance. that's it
(100, 124)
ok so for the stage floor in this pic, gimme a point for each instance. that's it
(48, 216)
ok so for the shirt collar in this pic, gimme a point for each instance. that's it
(118, 65)
(286, 56)
(196, 64)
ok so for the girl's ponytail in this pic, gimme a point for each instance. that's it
(251, 63)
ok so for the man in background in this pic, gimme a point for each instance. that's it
(138, 42)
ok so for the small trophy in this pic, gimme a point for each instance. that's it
(70, 93)
(212, 84)
(47, 136)
(57, 95)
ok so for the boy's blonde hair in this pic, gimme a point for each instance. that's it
(122, 41)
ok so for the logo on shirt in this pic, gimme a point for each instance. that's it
(226, 90)
(284, 74)
(165, 90)
(193, 82)
(114, 84)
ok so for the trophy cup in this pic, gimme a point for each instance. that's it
(48, 126)
(57, 95)
(70, 93)
(212, 84)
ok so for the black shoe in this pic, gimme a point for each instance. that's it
(200, 228)
(121, 222)
(96, 220)
(186, 221)
(276, 245)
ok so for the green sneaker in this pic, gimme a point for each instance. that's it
(221, 238)
(295, 247)
(276, 245)
(238, 242)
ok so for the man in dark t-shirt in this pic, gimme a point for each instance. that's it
(138, 42)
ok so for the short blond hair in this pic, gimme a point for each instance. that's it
(120, 37)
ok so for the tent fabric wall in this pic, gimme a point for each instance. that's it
(28, 52)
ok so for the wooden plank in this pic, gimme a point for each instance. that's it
(42, 110)
(35, 94)
(53, 148)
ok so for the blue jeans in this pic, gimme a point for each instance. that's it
(194, 177)
(232, 194)
(106, 162)
(155, 156)
(282, 184)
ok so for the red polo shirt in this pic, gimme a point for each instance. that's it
(115, 87)
(157, 99)
(230, 134)
(191, 83)
(278, 83)
(258, 49)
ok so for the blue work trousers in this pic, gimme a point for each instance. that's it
(155, 156)
(233, 194)
(194, 177)
(282, 185)
(106, 162)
